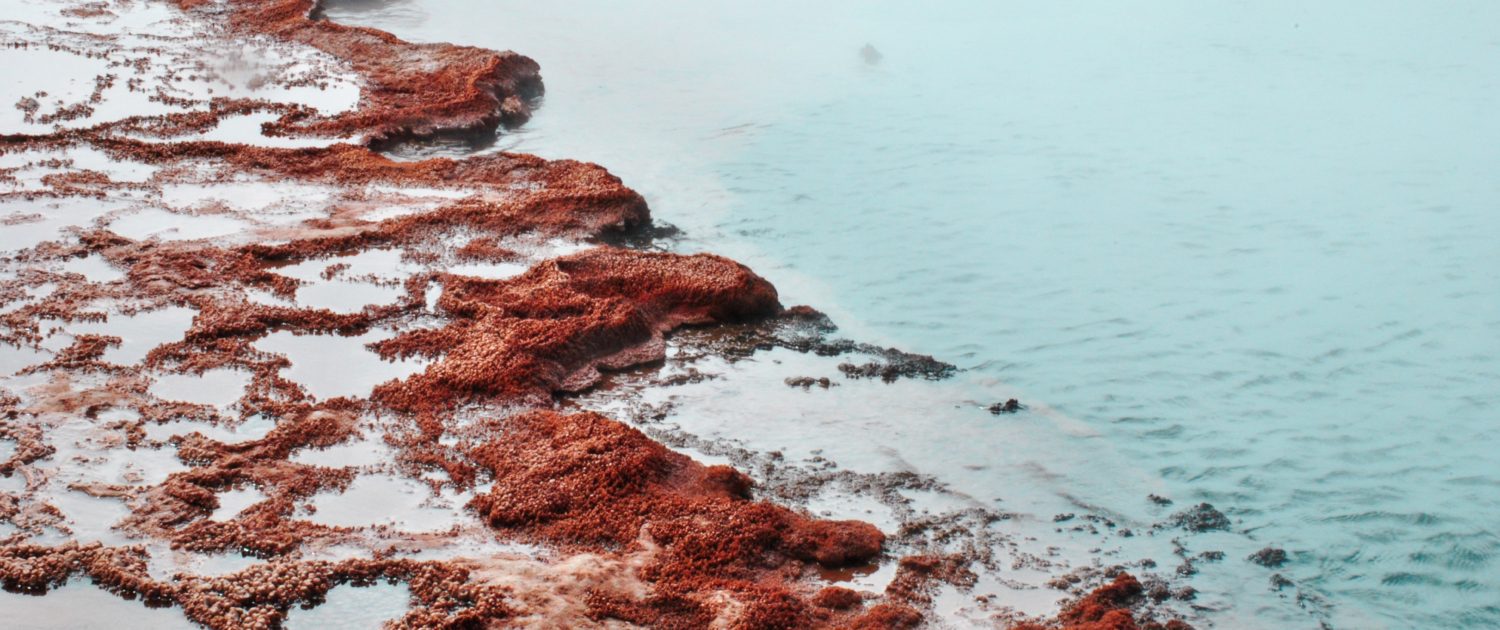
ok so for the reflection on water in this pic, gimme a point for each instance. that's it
(79, 605)
(1246, 247)
(399, 502)
(405, 13)
(219, 388)
(352, 607)
(330, 366)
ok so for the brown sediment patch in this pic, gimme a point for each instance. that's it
(552, 328)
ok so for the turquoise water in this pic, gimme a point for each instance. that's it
(1253, 247)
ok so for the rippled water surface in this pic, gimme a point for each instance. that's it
(1253, 248)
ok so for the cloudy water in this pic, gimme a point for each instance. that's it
(1249, 248)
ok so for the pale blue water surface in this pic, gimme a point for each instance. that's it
(1253, 247)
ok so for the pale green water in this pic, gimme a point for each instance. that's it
(1252, 245)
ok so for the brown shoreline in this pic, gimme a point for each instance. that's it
(672, 543)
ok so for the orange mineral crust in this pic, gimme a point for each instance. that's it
(552, 328)
(589, 482)
(280, 369)
(411, 90)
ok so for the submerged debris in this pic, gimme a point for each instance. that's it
(1269, 557)
(1009, 406)
(1201, 518)
(804, 329)
(807, 382)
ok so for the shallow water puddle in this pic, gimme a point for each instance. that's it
(14, 484)
(217, 388)
(16, 358)
(166, 562)
(81, 605)
(406, 504)
(254, 196)
(90, 518)
(354, 607)
(258, 296)
(35, 163)
(870, 578)
(88, 453)
(95, 268)
(91, 159)
(493, 271)
(341, 284)
(140, 332)
(254, 428)
(342, 296)
(244, 65)
(533, 251)
(172, 226)
(40, 220)
(330, 366)
(385, 264)
(69, 79)
(221, 563)
(405, 207)
(93, 518)
(541, 250)
(246, 129)
(232, 502)
(358, 454)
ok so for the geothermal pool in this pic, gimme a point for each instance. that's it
(1234, 262)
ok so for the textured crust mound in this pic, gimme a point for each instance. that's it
(553, 327)
(584, 480)
(411, 90)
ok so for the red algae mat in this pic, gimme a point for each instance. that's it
(249, 359)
